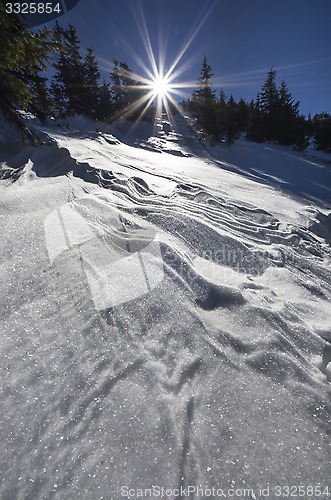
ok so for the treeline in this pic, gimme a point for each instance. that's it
(74, 88)
(273, 116)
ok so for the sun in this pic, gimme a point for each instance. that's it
(160, 87)
(156, 84)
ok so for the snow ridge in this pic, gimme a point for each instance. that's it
(165, 320)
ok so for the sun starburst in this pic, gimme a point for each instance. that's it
(160, 88)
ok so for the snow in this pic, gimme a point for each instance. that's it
(165, 314)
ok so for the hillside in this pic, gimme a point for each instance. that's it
(165, 315)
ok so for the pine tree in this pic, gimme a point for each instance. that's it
(75, 83)
(105, 108)
(128, 85)
(91, 85)
(68, 82)
(269, 95)
(204, 102)
(23, 55)
(41, 103)
(285, 117)
(322, 131)
(117, 91)
(310, 126)
(242, 115)
(221, 116)
(275, 116)
(125, 91)
(232, 129)
(286, 100)
(302, 134)
(255, 125)
(269, 98)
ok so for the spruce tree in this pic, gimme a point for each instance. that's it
(231, 126)
(126, 93)
(105, 108)
(322, 131)
(204, 102)
(285, 117)
(275, 116)
(68, 83)
(310, 126)
(75, 83)
(255, 125)
(269, 98)
(23, 55)
(221, 116)
(41, 103)
(242, 115)
(117, 91)
(286, 100)
(128, 85)
(91, 85)
(269, 94)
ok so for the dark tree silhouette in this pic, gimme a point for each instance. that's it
(92, 92)
(68, 86)
(204, 102)
(24, 55)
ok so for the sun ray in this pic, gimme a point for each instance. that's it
(134, 107)
(160, 83)
(190, 39)
(146, 41)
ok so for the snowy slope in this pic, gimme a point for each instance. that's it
(165, 310)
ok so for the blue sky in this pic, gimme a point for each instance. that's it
(242, 39)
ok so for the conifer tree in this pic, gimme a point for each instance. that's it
(221, 116)
(269, 94)
(127, 93)
(286, 100)
(117, 91)
(75, 82)
(310, 126)
(41, 103)
(204, 102)
(285, 117)
(242, 115)
(68, 82)
(128, 84)
(231, 126)
(23, 55)
(255, 125)
(275, 115)
(105, 108)
(269, 98)
(91, 85)
(322, 131)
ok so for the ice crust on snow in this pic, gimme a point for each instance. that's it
(165, 313)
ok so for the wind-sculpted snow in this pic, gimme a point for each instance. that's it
(165, 323)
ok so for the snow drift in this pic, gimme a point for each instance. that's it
(165, 315)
